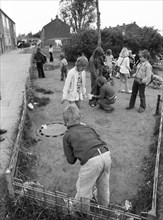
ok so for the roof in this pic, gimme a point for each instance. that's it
(6, 15)
(133, 27)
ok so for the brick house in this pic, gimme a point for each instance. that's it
(7, 33)
(53, 31)
(132, 28)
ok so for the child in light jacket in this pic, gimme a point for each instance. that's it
(74, 89)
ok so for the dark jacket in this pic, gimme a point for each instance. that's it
(40, 57)
(80, 142)
(106, 92)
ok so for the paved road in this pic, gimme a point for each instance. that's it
(14, 69)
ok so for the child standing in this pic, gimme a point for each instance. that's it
(109, 59)
(74, 89)
(124, 63)
(141, 78)
(63, 66)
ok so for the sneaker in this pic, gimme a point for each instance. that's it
(128, 108)
(122, 90)
(129, 91)
(2, 131)
(140, 110)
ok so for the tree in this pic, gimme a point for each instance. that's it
(79, 14)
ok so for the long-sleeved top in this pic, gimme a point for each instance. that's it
(106, 92)
(71, 90)
(124, 64)
(144, 72)
(80, 142)
(95, 67)
(40, 57)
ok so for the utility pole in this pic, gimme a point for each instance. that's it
(98, 24)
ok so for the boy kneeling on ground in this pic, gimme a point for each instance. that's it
(107, 94)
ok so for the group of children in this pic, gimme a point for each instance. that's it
(81, 142)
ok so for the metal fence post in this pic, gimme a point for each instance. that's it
(9, 183)
(158, 105)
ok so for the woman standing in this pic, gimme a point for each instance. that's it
(51, 52)
(124, 63)
(95, 66)
(40, 59)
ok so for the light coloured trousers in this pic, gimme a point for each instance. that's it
(96, 172)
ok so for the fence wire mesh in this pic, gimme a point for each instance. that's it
(65, 206)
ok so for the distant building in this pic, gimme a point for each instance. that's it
(54, 31)
(7, 33)
(132, 28)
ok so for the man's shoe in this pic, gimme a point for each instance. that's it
(140, 110)
(1, 139)
(2, 131)
(128, 108)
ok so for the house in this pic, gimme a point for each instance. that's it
(132, 29)
(7, 33)
(54, 32)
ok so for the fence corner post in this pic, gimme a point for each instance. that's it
(9, 183)
(158, 105)
(151, 215)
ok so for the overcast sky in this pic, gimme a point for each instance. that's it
(32, 15)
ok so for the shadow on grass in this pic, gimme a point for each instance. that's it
(43, 101)
(44, 91)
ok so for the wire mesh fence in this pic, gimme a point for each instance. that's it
(65, 206)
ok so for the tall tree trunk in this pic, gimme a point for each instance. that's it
(98, 24)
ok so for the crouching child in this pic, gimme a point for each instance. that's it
(107, 95)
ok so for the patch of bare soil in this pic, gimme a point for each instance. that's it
(128, 134)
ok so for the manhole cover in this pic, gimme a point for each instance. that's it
(51, 130)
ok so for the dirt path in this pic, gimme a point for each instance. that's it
(127, 133)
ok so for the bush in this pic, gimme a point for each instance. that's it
(84, 42)
(112, 38)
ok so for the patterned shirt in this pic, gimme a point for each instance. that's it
(79, 82)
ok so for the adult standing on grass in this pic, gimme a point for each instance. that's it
(141, 78)
(40, 59)
(74, 89)
(83, 143)
(96, 65)
(124, 63)
(51, 53)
